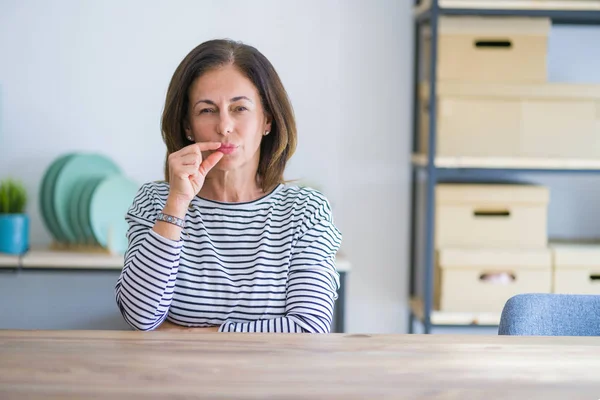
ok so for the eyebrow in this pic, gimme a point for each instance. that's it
(232, 100)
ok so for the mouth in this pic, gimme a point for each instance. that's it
(227, 148)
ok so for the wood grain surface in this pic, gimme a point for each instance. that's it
(178, 365)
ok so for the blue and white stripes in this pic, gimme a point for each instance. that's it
(262, 266)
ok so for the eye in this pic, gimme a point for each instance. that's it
(206, 111)
(241, 108)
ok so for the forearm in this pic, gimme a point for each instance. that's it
(171, 327)
(145, 288)
(175, 208)
(287, 324)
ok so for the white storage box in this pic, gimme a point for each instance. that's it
(490, 49)
(527, 121)
(494, 216)
(482, 280)
(576, 268)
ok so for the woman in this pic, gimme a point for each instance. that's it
(223, 244)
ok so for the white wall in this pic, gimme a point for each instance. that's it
(375, 131)
(92, 76)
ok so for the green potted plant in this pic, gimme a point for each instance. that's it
(14, 223)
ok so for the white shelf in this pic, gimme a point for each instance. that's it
(342, 264)
(70, 259)
(9, 261)
(52, 259)
(455, 318)
(508, 163)
(539, 5)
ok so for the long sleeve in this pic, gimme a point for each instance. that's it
(312, 281)
(144, 290)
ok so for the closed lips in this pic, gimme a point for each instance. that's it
(227, 148)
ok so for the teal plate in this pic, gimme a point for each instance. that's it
(110, 201)
(46, 200)
(78, 168)
(42, 192)
(83, 210)
(75, 201)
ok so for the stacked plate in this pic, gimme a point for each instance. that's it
(84, 199)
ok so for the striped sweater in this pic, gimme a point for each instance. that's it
(261, 266)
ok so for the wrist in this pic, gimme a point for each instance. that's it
(176, 207)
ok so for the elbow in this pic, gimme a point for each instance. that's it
(316, 330)
(140, 327)
(137, 320)
(318, 325)
(141, 324)
(312, 323)
(326, 328)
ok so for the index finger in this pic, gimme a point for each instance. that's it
(204, 146)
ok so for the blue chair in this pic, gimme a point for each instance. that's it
(551, 315)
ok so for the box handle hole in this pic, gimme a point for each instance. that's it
(595, 278)
(493, 44)
(491, 213)
(502, 278)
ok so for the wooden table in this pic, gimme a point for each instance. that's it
(161, 365)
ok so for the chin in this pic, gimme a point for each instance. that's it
(226, 165)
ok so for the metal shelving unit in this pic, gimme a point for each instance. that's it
(428, 169)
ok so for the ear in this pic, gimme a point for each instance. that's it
(268, 123)
(187, 127)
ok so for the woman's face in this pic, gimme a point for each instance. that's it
(224, 106)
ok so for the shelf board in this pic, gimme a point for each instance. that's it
(560, 11)
(444, 318)
(516, 5)
(510, 163)
(342, 264)
(9, 261)
(63, 259)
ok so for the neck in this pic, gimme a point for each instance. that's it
(231, 187)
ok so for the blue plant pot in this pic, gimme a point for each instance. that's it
(14, 233)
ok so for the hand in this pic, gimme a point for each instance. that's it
(171, 327)
(187, 170)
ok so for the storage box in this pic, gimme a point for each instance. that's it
(576, 268)
(527, 121)
(482, 280)
(490, 49)
(495, 216)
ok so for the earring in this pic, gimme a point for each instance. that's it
(190, 139)
(266, 133)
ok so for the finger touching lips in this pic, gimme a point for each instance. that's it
(204, 146)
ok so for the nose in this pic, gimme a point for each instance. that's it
(225, 123)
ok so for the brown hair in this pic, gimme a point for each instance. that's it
(277, 147)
